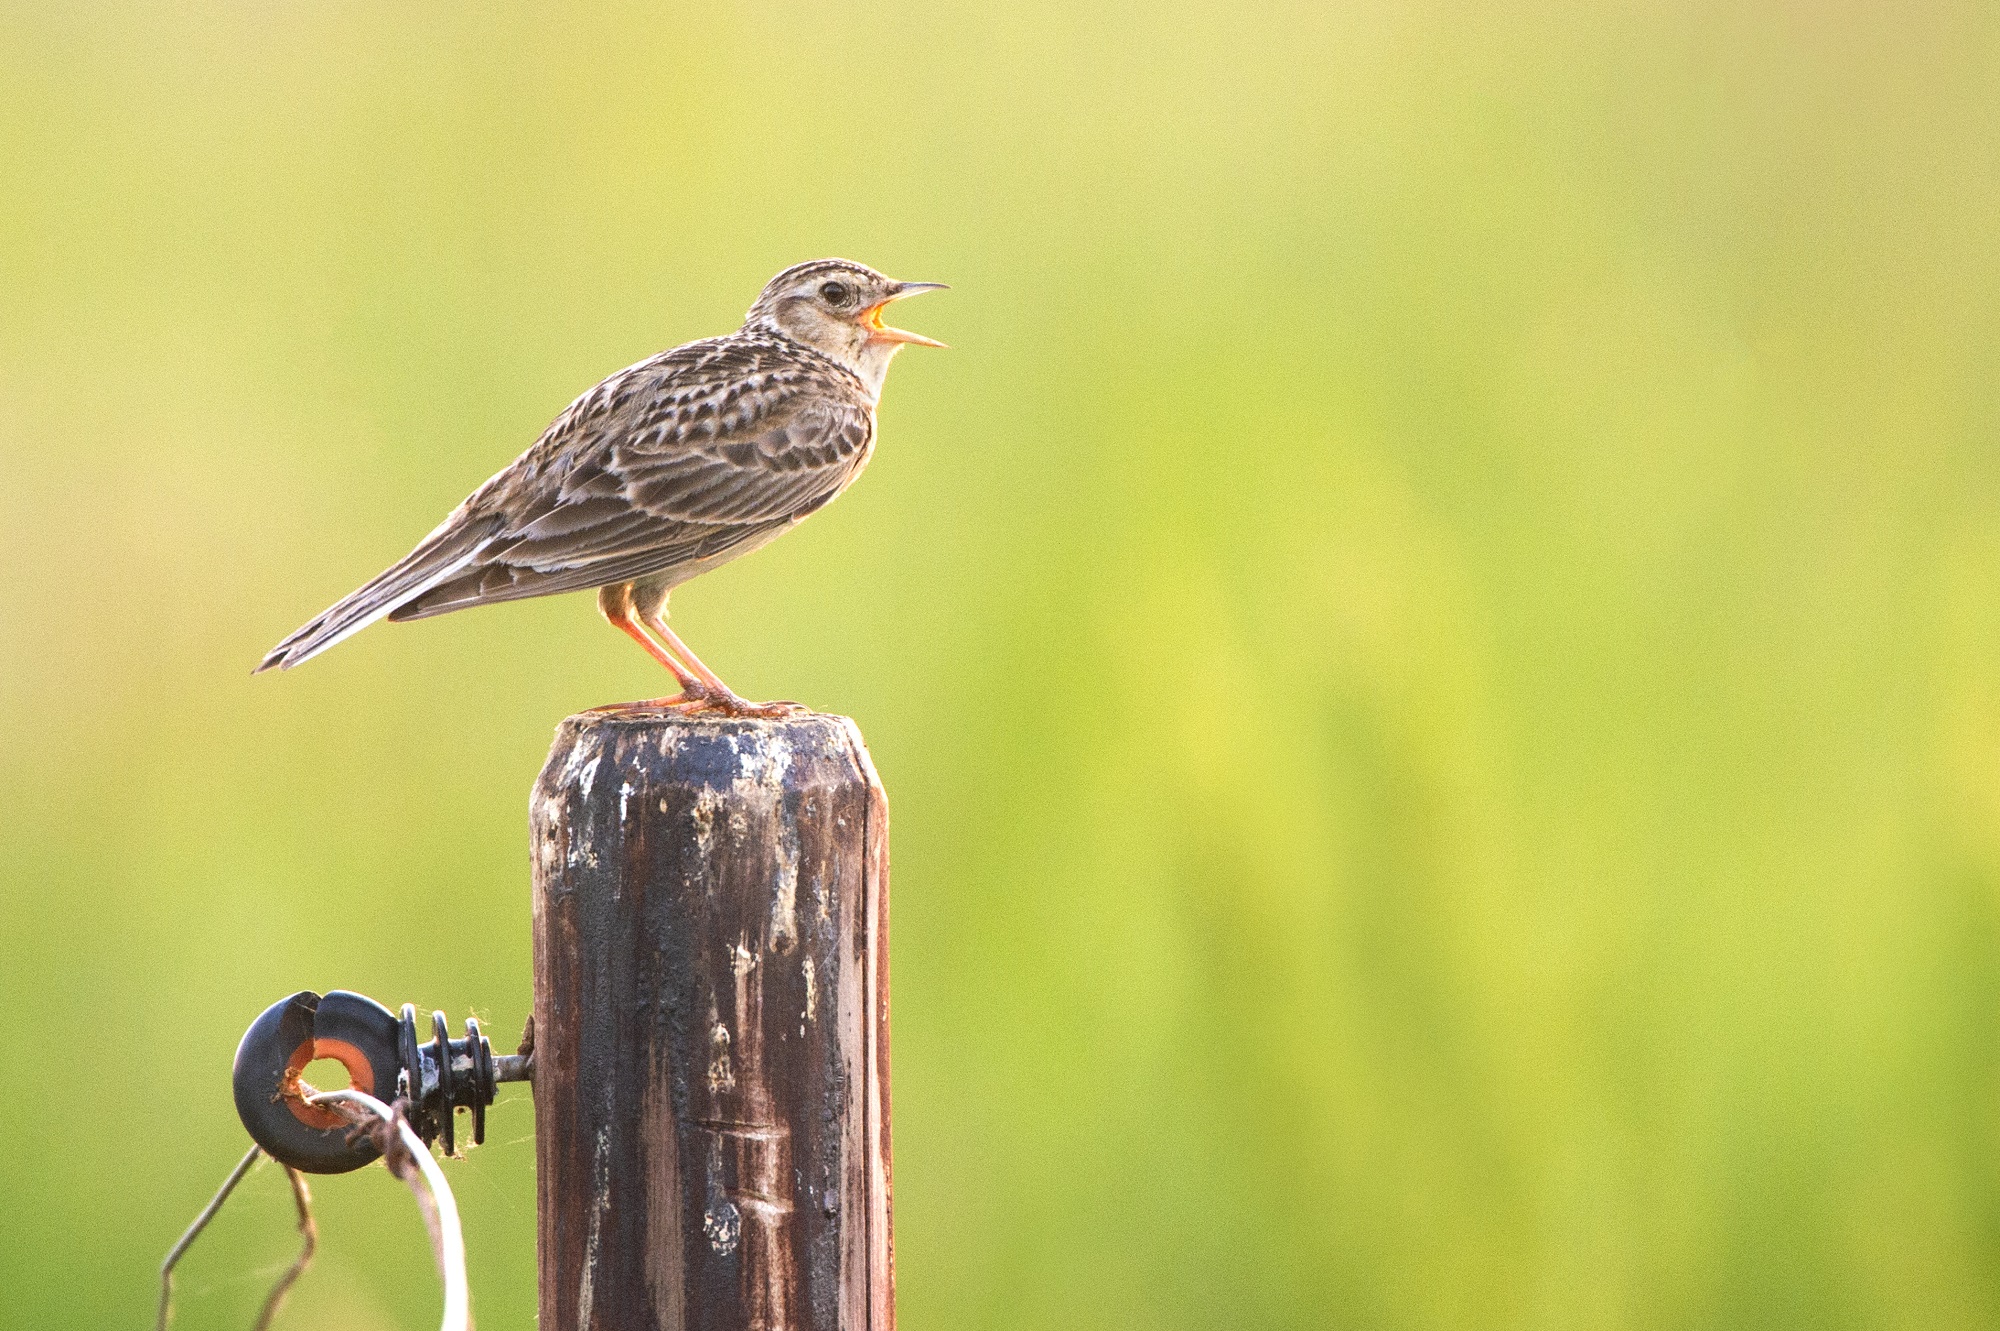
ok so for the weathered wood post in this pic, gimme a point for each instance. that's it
(711, 1026)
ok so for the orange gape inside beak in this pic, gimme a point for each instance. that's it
(872, 321)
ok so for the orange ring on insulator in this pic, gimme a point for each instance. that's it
(360, 1077)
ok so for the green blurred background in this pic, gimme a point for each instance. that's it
(1435, 643)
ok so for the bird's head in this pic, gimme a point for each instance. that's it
(835, 307)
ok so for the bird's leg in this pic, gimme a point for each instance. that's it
(615, 604)
(706, 692)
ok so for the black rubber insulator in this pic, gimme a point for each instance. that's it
(413, 1067)
(292, 1033)
(446, 1099)
(482, 1078)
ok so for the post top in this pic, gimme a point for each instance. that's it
(679, 728)
(666, 745)
(642, 718)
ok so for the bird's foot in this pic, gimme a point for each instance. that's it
(777, 710)
(735, 707)
(721, 702)
(709, 702)
(679, 702)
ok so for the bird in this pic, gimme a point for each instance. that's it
(667, 469)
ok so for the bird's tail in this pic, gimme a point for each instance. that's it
(443, 554)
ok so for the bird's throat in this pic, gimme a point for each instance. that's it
(871, 362)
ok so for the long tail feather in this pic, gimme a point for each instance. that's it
(442, 555)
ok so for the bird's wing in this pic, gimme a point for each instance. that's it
(662, 466)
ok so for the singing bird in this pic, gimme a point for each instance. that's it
(662, 472)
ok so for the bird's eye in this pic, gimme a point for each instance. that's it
(836, 293)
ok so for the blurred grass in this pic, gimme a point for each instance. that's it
(1433, 644)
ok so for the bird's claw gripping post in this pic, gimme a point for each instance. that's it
(730, 706)
(695, 703)
(382, 1056)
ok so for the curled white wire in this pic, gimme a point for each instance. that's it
(450, 1238)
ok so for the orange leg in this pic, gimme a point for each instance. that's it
(657, 626)
(706, 692)
(615, 604)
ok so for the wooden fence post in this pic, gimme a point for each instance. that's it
(711, 1027)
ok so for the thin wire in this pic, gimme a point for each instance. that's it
(440, 1210)
(308, 1244)
(175, 1253)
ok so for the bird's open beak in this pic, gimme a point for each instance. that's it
(872, 318)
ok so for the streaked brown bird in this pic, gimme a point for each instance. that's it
(661, 473)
